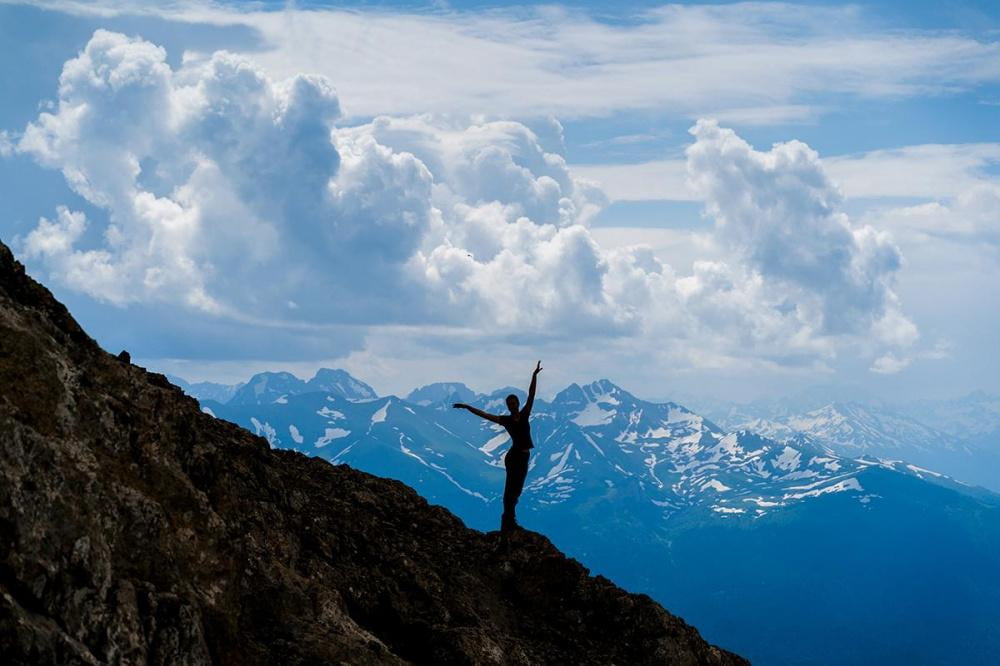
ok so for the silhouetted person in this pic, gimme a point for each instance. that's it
(516, 460)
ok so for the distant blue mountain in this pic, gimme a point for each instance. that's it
(442, 393)
(959, 443)
(207, 390)
(972, 415)
(790, 551)
(270, 387)
(339, 382)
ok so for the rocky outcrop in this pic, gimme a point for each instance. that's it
(136, 529)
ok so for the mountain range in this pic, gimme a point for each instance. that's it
(775, 535)
(974, 417)
(960, 438)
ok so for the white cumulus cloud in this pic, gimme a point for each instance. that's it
(743, 62)
(972, 216)
(234, 194)
(779, 211)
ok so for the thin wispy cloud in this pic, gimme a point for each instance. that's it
(752, 62)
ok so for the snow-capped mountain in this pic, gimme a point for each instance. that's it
(733, 415)
(679, 459)
(594, 442)
(857, 429)
(275, 387)
(442, 393)
(854, 429)
(774, 543)
(682, 461)
(339, 382)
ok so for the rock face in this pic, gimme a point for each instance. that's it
(135, 529)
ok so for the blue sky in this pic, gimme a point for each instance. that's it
(711, 200)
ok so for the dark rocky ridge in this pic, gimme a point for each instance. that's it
(136, 529)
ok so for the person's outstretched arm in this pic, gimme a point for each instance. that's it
(531, 390)
(478, 412)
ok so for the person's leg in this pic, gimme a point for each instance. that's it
(516, 463)
(521, 473)
(507, 519)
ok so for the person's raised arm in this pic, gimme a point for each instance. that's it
(531, 390)
(478, 412)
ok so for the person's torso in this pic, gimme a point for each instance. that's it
(519, 431)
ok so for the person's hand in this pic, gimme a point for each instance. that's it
(538, 368)
(460, 405)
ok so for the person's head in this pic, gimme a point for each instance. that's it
(513, 403)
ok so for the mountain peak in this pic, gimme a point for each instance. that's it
(571, 394)
(440, 393)
(268, 387)
(595, 391)
(329, 373)
(340, 382)
(605, 386)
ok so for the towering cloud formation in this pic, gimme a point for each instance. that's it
(195, 169)
(236, 195)
(779, 213)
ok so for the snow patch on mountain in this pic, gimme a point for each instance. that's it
(265, 430)
(380, 415)
(330, 434)
(557, 469)
(841, 486)
(593, 415)
(331, 414)
(788, 460)
(495, 442)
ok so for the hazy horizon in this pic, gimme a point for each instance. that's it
(815, 392)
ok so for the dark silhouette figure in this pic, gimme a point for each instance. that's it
(516, 460)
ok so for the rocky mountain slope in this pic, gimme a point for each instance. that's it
(136, 529)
